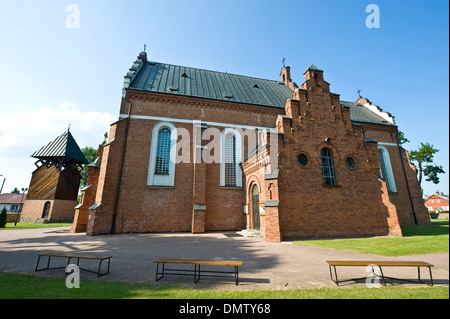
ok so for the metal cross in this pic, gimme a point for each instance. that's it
(284, 59)
(359, 92)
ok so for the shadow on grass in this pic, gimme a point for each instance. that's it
(436, 228)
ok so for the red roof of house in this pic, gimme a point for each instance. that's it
(444, 197)
(12, 198)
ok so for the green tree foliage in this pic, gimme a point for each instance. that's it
(3, 218)
(402, 137)
(91, 154)
(423, 156)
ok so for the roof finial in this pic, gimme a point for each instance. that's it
(145, 47)
(359, 92)
(68, 129)
(284, 59)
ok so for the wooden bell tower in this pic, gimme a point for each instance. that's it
(53, 190)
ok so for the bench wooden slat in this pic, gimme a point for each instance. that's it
(383, 263)
(84, 255)
(200, 262)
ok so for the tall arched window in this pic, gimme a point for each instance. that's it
(231, 155)
(230, 160)
(328, 175)
(163, 152)
(386, 169)
(161, 171)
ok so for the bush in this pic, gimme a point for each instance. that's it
(3, 218)
(434, 215)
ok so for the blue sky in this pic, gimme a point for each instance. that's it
(52, 76)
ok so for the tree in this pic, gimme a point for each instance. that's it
(423, 155)
(402, 137)
(91, 154)
(3, 218)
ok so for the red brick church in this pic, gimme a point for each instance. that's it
(197, 150)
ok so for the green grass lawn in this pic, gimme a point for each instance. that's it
(31, 225)
(416, 240)
(18, 286)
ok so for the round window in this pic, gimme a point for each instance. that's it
(350, 162)
(302, 159)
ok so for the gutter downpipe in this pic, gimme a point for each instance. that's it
(113, 223)
(406, 178)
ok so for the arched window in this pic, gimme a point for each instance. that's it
(161, 171)
(329, 178)
(163, 152)
(230, 160)
(386, 169)
(230, 171)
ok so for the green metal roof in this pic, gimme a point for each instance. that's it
(360, 113)
(64, 146)
(180, 80)
(187, 81)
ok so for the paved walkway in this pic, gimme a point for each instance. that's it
(266, 265)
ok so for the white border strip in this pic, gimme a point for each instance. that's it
(169, 119)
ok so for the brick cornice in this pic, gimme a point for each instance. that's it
(202, 102)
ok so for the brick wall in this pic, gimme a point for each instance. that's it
(408, 201)
(60, 210)
(87, 198)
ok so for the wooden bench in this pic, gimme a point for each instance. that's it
(197, 272)
(379, 264)
(78, 256)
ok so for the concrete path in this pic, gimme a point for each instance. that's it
(266, 265)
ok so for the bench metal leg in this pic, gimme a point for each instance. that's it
(382, 276)
(48, 264)
(37, 264)
(159, 273)
(99, 274)
(335, 274)
(431, 276)
(195, 273)
(236, 270)
(99, 268)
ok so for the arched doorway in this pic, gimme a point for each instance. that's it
(255, 208)
(46, 210)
